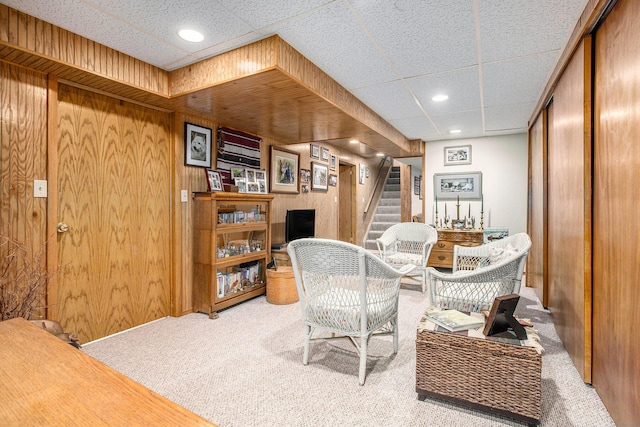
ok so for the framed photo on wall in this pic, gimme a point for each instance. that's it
(459, 155)
(360, 173)
(464, 185)
(319, 176)
(285, 166)
(314, 151)
(197, 145)
(332, 163)
(325, 154)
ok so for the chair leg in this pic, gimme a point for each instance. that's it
(424, 280)
(394, 323)
(307, 342)
(363, 359)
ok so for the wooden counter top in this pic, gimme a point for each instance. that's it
(45, 381)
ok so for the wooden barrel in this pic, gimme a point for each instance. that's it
(281, 286)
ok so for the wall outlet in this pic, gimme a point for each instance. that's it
(184, 196)
(39, 188)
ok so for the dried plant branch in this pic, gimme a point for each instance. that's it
(23, 278)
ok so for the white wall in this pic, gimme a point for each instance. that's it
(503, 163)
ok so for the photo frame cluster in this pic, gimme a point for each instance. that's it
(251, 181)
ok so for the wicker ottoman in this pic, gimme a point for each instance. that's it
(483, 374)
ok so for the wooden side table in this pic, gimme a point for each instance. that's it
(442, 252)
(479, 372)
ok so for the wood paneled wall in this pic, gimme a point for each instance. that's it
(616, 251)
(113, 184)
(537, 210)
(23, 158)
(569, 208)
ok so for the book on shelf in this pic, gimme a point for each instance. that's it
(454, 320)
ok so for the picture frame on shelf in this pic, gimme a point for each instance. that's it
(314, 151)
(253, 188)
(284, 173)
(457, 155)
(262, 184)
(464, 185)
(325, 154)
(214, 182)
(237, 173)
(197, 145)
(332, 162)
(241, 183)
(319, 176)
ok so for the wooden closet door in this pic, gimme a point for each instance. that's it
(113, 193)
(616, 255)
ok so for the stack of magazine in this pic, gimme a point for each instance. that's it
(454, 320)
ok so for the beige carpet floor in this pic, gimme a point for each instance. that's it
(245, 369)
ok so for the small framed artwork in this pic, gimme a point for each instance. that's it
(237, 173)
(416, 184)
(253, 187)
(314, 152)
(250, 174)
(262, 184)
(284, 171)
(332, 162)
(197, 145)
(319, 176)
(333, 180)
(305, 176)
(305, 188)
(325, 154)
(501, 322)
(214, 182)
(241, 183)
(467, 185)
(360, 173)
(260, 175)
(366, 172)
(459, 155)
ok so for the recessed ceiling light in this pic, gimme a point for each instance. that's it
(455, 131)
(380, 154)
(354, 141)
(191, 35)
(439, 98)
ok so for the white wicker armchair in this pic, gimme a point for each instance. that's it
(408, 243)
(346, 290)
(480, 274)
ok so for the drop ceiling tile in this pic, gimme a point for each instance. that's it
(461, 86)
(260, 14)
(418, 127)
(517, 81)
(515, 28)
(514, 117)
(469, 122)
(331, 38)
(391, 100)
(422, 37)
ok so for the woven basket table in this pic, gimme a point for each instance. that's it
(479, 373)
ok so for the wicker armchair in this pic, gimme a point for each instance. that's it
(346, 290)
(480, 274)
(408, 243)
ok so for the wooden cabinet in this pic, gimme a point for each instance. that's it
(231, 248)
(442, 251)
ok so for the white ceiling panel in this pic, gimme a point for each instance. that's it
(391, 100)
(422, 37)
(332, 39)
(460, 85)
(516, 81)
(508, 118)
(492, 57)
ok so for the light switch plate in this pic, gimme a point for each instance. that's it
(184, 196)
(39, 188)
